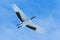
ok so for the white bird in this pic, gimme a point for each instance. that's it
(25, 21)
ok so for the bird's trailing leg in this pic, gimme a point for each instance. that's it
(18, 25)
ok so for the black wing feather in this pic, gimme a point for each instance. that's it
(19, 16)
(33, 28)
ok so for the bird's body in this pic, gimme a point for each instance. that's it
(25, 23)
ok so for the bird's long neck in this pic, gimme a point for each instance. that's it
(32, 18)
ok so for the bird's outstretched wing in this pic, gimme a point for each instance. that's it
(19, 13)
(34, 27)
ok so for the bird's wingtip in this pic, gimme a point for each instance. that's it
(40, 30)
(15, 8)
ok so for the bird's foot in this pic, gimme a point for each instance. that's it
(17, 24)
(19, 27)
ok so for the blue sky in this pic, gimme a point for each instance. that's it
(47, 14)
